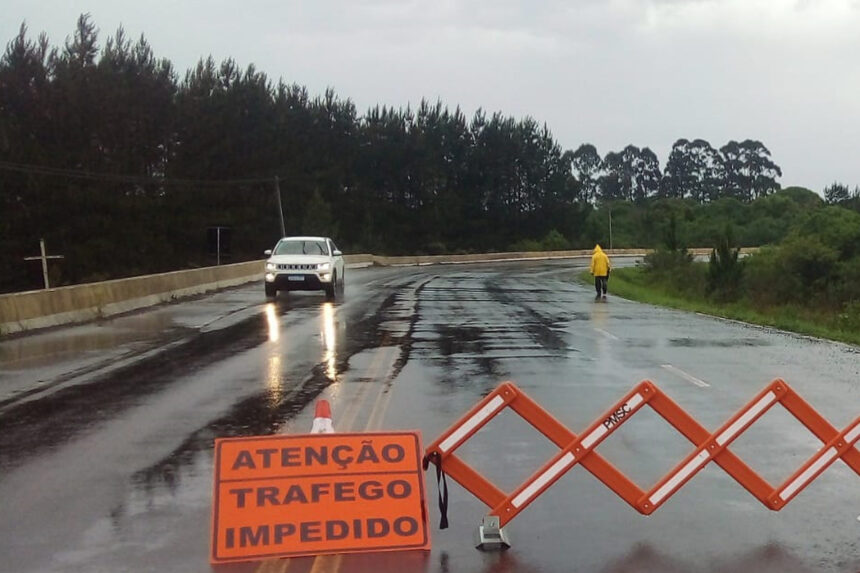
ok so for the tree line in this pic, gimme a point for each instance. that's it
(694, 170)
(122, 166)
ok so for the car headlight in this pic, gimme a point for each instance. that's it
(271, 266)
(324, 267)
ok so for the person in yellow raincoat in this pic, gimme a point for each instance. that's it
(600, 267)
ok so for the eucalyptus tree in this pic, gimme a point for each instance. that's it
(586, 165)
(632, 174)
(750, 171)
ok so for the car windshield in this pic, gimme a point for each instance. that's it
(294, 247)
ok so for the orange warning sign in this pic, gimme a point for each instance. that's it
(288, 496)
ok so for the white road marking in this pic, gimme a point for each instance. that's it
(685, 376)
(606, 334)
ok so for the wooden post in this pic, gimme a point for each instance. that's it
(44, 258)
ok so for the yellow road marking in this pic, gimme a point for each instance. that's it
(374, 422)
(327, 563)
(331, 563)
(350, 413)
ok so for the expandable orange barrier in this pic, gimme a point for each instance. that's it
(580, 449)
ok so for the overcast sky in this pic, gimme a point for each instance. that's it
(607, 72)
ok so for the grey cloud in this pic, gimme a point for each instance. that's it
(608, 72)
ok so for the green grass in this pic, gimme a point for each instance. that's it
(633, 284)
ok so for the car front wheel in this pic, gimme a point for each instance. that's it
(271, 291)
(332, 287)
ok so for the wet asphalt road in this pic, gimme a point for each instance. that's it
(106, 430)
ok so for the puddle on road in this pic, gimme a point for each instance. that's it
(459, 339)
(716, 342)
(53, 348)
(770, 558)
(31, 426)
(577, 316)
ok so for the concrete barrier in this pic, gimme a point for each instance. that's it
(80, 303)
(495, 257)
(31, 310)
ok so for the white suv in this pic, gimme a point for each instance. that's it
(304, 263)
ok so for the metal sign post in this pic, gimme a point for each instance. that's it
(219, 240)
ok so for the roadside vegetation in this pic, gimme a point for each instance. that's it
(807, 283)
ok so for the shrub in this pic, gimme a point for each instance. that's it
(552, 241)
(437, 248)
(848, 280)
(555, 241)
(813, 263)
(765, 280)
(663, 260)
(526, 246)
(835, 227)
(724, 270)
(849, 320)
(800, 270)
(672, 257)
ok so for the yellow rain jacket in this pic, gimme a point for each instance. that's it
(599, 263)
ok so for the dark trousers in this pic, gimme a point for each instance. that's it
(600, 284)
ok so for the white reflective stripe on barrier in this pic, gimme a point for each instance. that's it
(756, 409)
(853, 434)
(627, 408)
(682, 474)
(801, 480)
(595, 435)
(564, 461)
(635, 401)
(471, 423)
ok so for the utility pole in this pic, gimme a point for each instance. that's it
(610, 228)
(280, 208)
(44, 258)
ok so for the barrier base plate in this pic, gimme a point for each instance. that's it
(491, 537)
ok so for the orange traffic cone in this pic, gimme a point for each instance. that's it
(322, 419)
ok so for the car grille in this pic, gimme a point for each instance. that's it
(297, 267)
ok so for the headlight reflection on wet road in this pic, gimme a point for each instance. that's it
(273, 322)
(328, 339)
(273, 360)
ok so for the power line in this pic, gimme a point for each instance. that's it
(119, 178)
